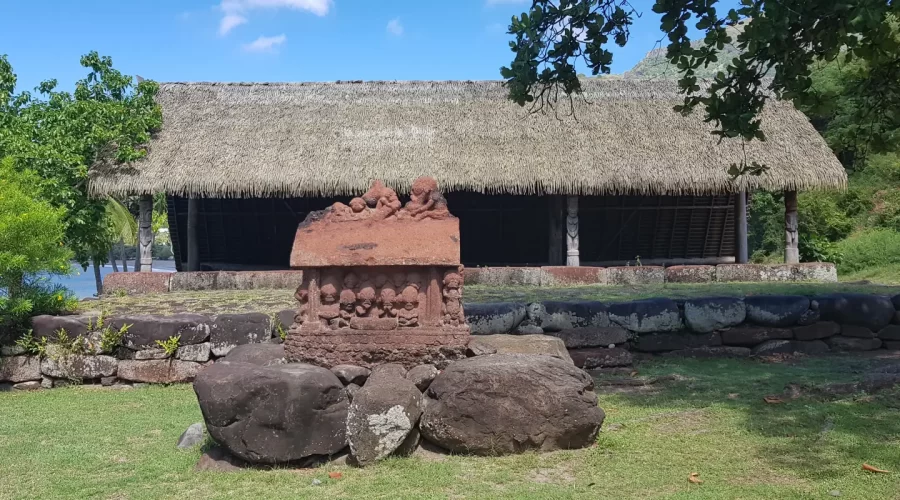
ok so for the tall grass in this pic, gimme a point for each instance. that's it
(869, 249)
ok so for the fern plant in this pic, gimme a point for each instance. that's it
(170, 345)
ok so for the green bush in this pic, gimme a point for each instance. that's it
(31, 235)
(869, 249)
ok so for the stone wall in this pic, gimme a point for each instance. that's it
(602, 335)
(596, 334)
(138, 358)
(554, 276)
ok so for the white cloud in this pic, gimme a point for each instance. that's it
(265, 43)
(394, 27)
(235, 11)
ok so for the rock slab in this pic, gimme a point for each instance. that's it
(527, 344)
(646, 316)
(501, 404)
(159, 371)
(776, 311)
(273, 414)
(17, 369)
(706, 315)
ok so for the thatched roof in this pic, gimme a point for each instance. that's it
(295, 139)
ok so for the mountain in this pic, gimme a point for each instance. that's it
(655, 64)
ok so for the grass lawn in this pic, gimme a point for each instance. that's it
(85, 442)
(272, 301)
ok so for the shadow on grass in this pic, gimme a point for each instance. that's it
(814, 435)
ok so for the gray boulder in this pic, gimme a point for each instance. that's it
(146, 330)
(17, 369)
(395, 370)
(257, 354)
(662, 342)
(890, 332)
(74, 366)
(273, 414)
(422, 375)
(383, 414)
(231, 330)
(494, 318)
(646, 316)
(561, 315)
(192, 436)
(842, 343)
(544, 345)
(476, 347)
(500, 404)
(749, 336)
(857, 331)
(47, 326)
(706, 315)
(592, 336)
(872, 311)
(776, 310)
(351, 374)
(194, 352)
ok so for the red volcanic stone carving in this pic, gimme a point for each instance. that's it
(382, 282)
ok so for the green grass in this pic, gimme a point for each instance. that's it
(95, 443)
(272, 301)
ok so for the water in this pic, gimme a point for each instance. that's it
(82, 283)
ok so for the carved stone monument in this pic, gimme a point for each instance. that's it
(382, 282)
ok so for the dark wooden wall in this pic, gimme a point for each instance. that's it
(494, 229)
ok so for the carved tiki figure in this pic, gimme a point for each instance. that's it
(348, 307)
(329, 308)
(383, 199)
(409, 315)
(365, 299)
(387, 299)
(452, 307)
(302, 296)
(426, 201)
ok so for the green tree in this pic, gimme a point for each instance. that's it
(778, 46)
(31, 243)
(61, 136)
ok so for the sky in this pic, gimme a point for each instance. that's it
(275, 40)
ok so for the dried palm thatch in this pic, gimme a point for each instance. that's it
(260, 140)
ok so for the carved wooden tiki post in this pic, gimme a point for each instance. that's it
(572, 254)
(791, 222)
(145, 232)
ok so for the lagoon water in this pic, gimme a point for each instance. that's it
(81, 282)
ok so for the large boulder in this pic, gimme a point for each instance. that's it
(560, 315)
(145, 330)
(706, 315)
(422, 376)
(159, 371)
(257, 354)
(76, 366)
(527, 344)
(749, 336)
(231, 330)
(383, 415)
(776, 310)
(351, 374)
(194, 352)
(493, 318)
(872, 311)
(47, 326)
(273, 414)
(499, 404)
(890, 332)
(592, 336)
(662, 342)
(17, 369)
(646, 316)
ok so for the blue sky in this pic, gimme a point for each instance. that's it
(275, 40)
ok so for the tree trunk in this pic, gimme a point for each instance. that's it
(112, 260)
(124, 255)
(98, 278)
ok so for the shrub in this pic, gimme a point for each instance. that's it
(869, 249)
(31, 234)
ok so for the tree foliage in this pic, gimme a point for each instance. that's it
(62, 135)
(778, 48)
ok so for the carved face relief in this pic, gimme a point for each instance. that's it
(410, 297)
(452, 280)
(399, 280)
(329, 293)
(357, 205)
(351, 281)
(348, 300)
(366, 298)
(380, 280)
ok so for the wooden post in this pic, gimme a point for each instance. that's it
(555, 254)
(193, 248)
(145, 233)
(740, 227)
(572, 255)
(791, 237)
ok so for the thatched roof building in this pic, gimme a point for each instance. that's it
(310, 139)
(244, 163)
